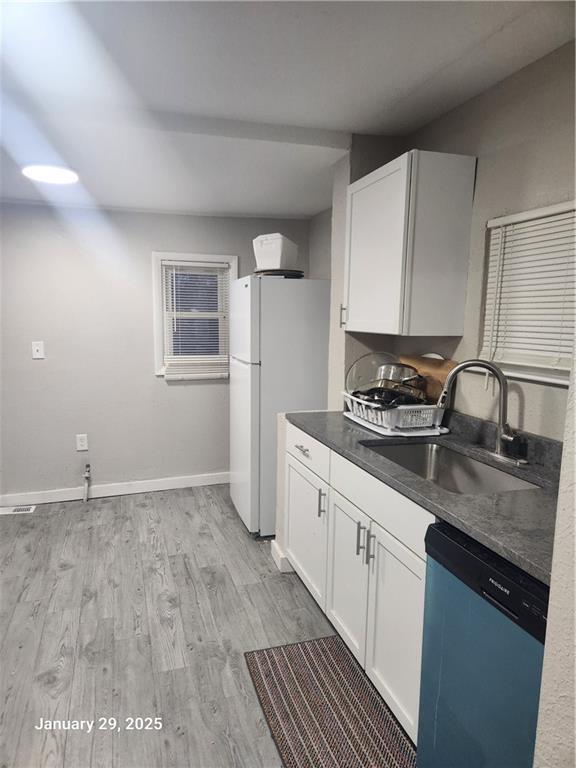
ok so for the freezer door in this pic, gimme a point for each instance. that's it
(245, 441)
(245, 319)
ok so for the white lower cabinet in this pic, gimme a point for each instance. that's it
(307, 526)
(394, 625)
(347, 589)
(367, 576)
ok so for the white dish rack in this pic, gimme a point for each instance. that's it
(403, 420)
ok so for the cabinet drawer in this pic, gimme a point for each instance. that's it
(402, 518)
(310, 452)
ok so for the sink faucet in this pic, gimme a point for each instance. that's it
(504, 433)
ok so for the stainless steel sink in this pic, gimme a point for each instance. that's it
(449, 469)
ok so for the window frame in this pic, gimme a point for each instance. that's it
(158, 258)
(520, 371)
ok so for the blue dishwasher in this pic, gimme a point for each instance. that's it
(484, 627)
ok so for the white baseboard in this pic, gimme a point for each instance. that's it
(113, 489)
(282, 562)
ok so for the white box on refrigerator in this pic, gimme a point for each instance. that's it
(275, 252)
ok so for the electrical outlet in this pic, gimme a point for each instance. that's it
(38, 350)
(81, 442)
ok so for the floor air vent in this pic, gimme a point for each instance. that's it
(23, 510)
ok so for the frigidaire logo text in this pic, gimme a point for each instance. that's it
(500, 587)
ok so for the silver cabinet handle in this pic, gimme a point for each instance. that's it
(359, 529)
(369, 555)
(321, 495)
(303, 450)
(343, 309)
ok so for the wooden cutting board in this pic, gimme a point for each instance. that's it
(435, 372)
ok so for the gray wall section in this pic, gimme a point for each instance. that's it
(81, 281)
(337, 342)
(522, 131)
(320, 245)
(556, 738)
(370, 152)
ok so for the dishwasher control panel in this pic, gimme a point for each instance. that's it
(523, 599)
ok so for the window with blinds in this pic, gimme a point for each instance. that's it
(530, 293)
(195, 319)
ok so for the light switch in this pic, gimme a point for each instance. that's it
(38, 350)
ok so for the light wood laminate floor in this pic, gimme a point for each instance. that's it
(140, 606)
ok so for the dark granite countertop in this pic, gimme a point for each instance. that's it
(519, 525)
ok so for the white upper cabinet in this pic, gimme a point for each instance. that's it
(407, 246)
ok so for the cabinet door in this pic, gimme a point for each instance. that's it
(394, 627)
(377, 219)
(347, 590)
(307, 527)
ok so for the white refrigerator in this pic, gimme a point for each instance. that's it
(278, 363)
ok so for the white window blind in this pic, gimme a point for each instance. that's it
(530, 292)
(195, 319)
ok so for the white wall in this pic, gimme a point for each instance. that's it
(81, 282)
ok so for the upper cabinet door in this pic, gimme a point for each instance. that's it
(375, 248)
(408, 246)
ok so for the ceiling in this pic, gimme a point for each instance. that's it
(240, 108)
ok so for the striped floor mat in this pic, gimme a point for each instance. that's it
(323, 711)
